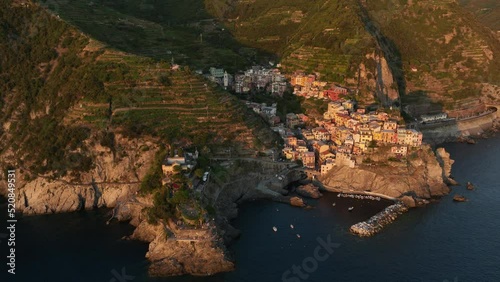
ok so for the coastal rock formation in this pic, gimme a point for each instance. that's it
(470, 186)
(195, 252)
(173, 249)
(459, 198)
(309, 191)
(445, 162)
(297, 202)
(421, 177)
(115, 177)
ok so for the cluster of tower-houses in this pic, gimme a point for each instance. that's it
(343, 134)
(309, 86)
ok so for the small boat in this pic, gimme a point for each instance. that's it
(291, 226)
(277, 209)
(350, 208)
(333, 204)
(275, 229)
(298, 235)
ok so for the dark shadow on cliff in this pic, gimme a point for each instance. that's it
(182, 31)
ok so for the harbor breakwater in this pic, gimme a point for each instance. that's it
(377, 222)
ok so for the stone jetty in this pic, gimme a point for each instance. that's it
(377, 222)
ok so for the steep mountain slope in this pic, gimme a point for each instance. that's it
(443, 50)
(434, 49)
(170, 29)
(326, 36)
(487, 11)
(64, 94)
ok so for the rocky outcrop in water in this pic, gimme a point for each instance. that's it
(309, 191)
(176, 249)
(377, 222)
(459, 198)
(445, 162)
(470, 186)
(297, 202)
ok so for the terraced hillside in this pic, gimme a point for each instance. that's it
(325, 36)
(434, 49)
(170, 29)
(443, 50)
(62, 92)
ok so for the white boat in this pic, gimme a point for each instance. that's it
(350, 208)
(298, 235)
(275, 229)
(291, 226)
(333, 204)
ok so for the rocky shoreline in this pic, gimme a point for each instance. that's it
(425, 175)
(177, 250)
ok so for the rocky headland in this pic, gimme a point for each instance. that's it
(176, 248)
(420, 176)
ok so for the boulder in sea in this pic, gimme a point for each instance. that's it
(459, 198)
(309, 191)
(470, 186)
(297, 202)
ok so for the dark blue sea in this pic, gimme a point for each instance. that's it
(445, 241)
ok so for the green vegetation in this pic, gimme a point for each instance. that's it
(182, 30)
(330, 37)
(152, 180)
(445, 46)
(63, 92)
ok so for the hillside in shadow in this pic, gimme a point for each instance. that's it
(182, 31)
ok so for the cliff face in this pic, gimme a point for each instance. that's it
(115, 177)
(421, 177)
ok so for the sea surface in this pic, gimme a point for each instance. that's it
(444, 241)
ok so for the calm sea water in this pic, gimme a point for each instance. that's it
(444, 241)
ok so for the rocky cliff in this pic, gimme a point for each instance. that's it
(115, 177)
(420, 177)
